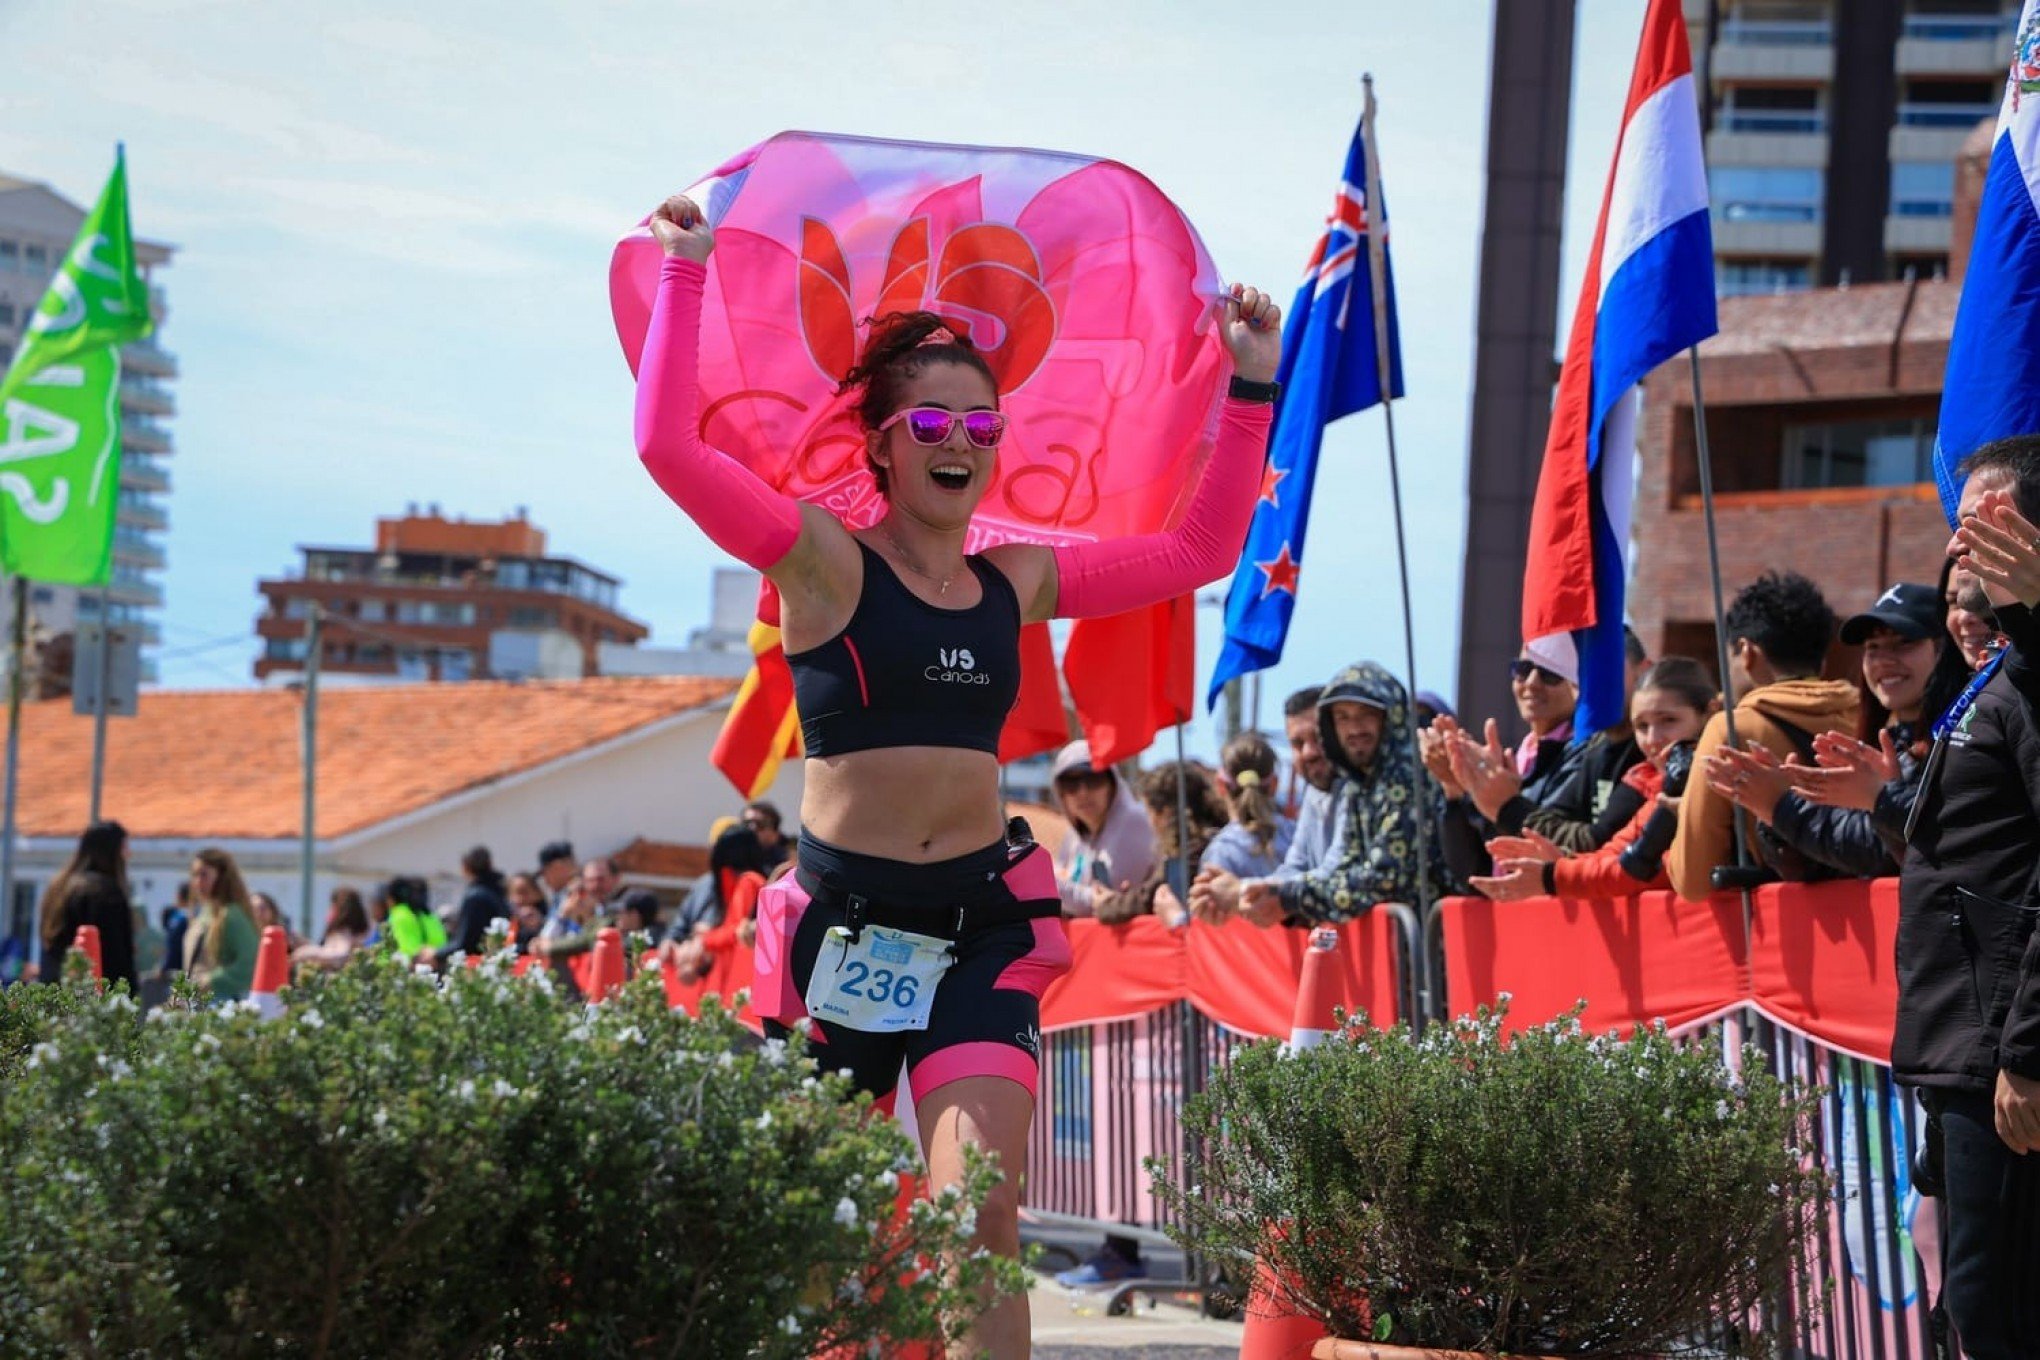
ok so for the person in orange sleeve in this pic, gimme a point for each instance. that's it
(1779, 631)
(1673, 702)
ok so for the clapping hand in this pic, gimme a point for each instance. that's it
(1851, 773)
(1487, 771)
(2003, 548)
(1530, 846)
(1434, 745)
(1753, 778)
(1214, 896)
(1514, 880)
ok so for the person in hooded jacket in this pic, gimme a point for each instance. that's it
(1113, 847)
(1779, 630)
(1364, 717)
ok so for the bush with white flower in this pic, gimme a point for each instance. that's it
(403, 1165)
(1539, 1191)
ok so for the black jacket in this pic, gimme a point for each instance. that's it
(1590, 806)
(96, 900)
(482, 903)
(1849, 840)
(1465, 832)
(1968, 976)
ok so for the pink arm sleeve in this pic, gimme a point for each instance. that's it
(743, 516)
(1097, 579)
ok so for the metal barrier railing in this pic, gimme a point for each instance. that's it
(1112, 1096)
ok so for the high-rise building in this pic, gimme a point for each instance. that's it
(37, 226)
(1832, 131)
(442, 599)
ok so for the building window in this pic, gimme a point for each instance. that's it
(513, 575)
(10, 255)
(285, 649)
(1859, 453)
(407, 611)
(370, 611)
(456, 665)
(412, 665)
(1772, 108)
(297, 608)
(6, 314)
(6, 354)
(1948, 103)
(1963, 23)
(1765, 193)
(529, 616)
(34, 259)
(450, 613)
(1736, 278)
(1922, 188)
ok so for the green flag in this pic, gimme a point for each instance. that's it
(60, 405)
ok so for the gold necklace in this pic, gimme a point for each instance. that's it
(941, 586)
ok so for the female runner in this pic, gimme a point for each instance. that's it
(912, 929)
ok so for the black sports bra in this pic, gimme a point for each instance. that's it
(904, 672)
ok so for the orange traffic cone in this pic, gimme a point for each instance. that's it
(1273, 1330)
(87, 943)
(605, 969)
(272, 972)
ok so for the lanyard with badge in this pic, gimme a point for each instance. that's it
(883, 980)
(1943, 728)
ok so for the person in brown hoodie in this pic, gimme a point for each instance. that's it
(1779, 630)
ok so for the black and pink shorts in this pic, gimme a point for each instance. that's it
(1000, 907)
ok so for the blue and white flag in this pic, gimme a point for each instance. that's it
(1328, 370)
(1992, 388)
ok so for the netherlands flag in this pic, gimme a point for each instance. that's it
(1648, 294)
(1989, 391)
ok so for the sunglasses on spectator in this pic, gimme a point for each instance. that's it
(931, 425)
(1523, 670)
(1088, 779)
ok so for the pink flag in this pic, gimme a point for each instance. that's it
(1089, 292)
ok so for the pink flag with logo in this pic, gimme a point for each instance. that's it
(1087, 289)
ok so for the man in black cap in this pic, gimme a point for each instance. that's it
(1819, 825)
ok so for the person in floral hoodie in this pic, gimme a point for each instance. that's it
(1363, 715)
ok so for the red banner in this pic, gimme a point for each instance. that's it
(1819, 959)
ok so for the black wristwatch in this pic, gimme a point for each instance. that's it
(1245, 389)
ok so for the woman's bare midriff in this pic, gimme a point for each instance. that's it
(915, 804)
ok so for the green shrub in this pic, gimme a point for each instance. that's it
(1541, 1192)
(409, 1166)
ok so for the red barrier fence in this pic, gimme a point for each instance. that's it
(1818, 960)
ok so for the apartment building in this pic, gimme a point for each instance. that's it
(37, 226)
(1833, 129)
(442, 599)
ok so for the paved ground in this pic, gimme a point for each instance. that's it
(1073, 1326)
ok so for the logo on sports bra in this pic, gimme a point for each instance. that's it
(957, 667)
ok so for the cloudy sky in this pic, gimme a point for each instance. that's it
(394, 221)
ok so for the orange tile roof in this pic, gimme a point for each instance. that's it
(224, 764)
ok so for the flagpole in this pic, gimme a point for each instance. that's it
(105, 669)
(1377, 278)
(19, 632)
(1728, 696)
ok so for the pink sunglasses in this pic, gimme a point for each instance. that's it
(931, 425)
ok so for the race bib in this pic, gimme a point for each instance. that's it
(881, 982)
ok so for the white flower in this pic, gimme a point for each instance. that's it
(765, 1120)
(209, 1040)
(380, 1118)
(119, 1002)
(891, 1181)
(846, 1212)
(467, 1089)
(499, 925)
(40, 1054)
(790, 1325)
(1721, 1109)
(312, 1020)
(502, 1090)
(630, 1034)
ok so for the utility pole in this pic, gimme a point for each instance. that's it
(308, 741)
(15, 657)
(105, 667)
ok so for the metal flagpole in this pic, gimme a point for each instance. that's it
(1377, 270)
(105, 668)
(1728, 696)
(14, 667)
(309, 740)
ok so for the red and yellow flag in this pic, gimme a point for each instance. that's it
(763, 727)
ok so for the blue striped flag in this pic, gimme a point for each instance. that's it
(1328, 370)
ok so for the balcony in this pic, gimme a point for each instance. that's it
(1733, 142)
(141, 473)
(1916, 232)
(139, 434)
(1753, 236)
(1773, 49)
(138, 551)
(146, 396)
(146, 357)
(147, 594)
(1917, 142)
(1955, 44)
(141, 512)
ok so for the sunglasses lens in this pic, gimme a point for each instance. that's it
(985, 428)
(1520, 670)
(928, 425)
